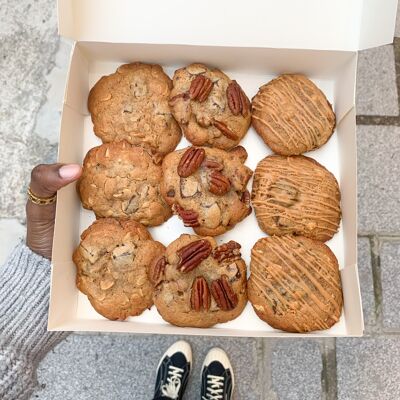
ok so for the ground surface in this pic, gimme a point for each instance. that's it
(33, 65)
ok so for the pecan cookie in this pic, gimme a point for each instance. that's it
(295, 283)
(296, 195)
(212, 109)
(207, 188)
(132, 104)
(292, 115)
(112, 262)
(198, 283)
(121, 180)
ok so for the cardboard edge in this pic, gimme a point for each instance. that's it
(71, 57)
(118, 327)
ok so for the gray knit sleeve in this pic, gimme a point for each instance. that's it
(24, 340)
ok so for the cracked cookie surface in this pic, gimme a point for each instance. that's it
(296, 195)
(112, 262)
(206, 188)
(121, 180)
(295, 284)
(211, 108)
(292, 115)
(132, 104)
(198, 283)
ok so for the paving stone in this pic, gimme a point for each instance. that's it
(390, 273)
(366, 281)
(123, 367)
(368, 369)
(376, 82)
(296, 369)
(48, 118)
(13, 230)
(378, 179)
(28, 45)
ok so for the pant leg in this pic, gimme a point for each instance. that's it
(161, 398)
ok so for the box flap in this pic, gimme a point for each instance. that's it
(378, 20)
(303, 24)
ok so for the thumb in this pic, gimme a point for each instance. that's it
(46, 179)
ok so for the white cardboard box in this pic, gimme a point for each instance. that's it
(252, 43)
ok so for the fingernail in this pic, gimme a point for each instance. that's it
(69, 171)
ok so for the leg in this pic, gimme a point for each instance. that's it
(173, 372)
(217, 380)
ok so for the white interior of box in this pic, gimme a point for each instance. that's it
(334, 72)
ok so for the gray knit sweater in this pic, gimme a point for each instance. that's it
(24, 340)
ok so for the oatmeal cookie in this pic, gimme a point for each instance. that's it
(132, 104)
(121, 180)
(112, 262)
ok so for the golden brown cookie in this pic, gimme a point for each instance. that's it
(198, 283)
(132, 104)
(296, 195)
(212, 109)
(292, 115)
(121, 180)
(112, 262)
(295, 284)
(207, 188)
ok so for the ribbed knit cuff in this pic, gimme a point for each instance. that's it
(17, 375)
(24, 302)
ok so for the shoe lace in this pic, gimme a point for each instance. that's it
(173, 385)
(215, 388)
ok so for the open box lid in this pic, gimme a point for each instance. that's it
(348, 25)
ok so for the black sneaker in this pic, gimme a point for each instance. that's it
(173, 371)
(217, 380)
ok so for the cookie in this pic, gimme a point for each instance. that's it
(292, 115)
(207, 188)
(121, 180)
(112, 262)
(296, 195)
(212, 109)
(198, 283)
(295, 284)
(132, 104)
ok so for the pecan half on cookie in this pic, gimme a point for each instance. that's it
(212, 109)
(207, 188)
(202, 284)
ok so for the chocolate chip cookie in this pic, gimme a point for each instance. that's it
(198, 283)
(121, 180)
(132, 104)
(295, 284)
(296, 195)
(207, 188)
(212, 109)
(292, 115)
(112, 262)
